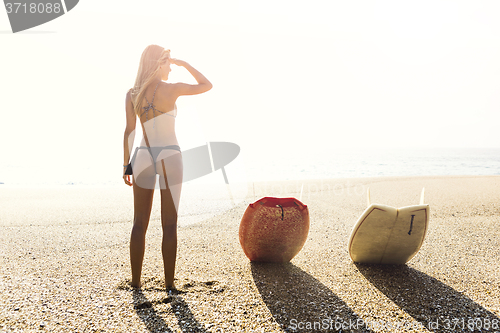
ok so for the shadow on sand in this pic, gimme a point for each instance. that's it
(299, 302)
(438, 307)
(154, 322)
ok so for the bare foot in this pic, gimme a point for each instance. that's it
(171, 288)
(136, 285)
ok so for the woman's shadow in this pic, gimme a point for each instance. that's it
(155, 323)
(438, 307)
(296, 300)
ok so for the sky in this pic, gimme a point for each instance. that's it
(291, 78)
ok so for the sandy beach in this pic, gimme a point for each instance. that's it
(64, 264)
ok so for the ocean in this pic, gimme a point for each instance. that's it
(209, 196)
(363, 162)
(353, 163)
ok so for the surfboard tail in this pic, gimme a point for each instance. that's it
(368, 197)
(422, 196)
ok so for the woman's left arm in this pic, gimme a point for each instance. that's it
(129, 129)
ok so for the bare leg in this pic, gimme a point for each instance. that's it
(169, 226)
(143, 201)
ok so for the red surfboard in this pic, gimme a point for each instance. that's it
(274, 229)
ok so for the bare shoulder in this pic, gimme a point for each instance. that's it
(128, 96)
(180, 89)
(129, 105)
(166, 85)
(168, 89)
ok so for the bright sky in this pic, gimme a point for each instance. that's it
(289, 77)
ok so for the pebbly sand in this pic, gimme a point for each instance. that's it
(64, 264)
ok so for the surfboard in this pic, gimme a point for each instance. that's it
(274, 229)
(388, 235)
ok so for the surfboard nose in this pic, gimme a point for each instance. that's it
(274, 229)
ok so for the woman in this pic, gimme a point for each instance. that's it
(153, 102)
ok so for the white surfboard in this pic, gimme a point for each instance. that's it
(388, 235)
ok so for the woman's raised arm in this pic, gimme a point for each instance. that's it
(191, 89)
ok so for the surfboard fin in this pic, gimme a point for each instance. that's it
(368, 197)
(422, 196)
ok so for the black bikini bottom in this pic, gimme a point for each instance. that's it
(154, 152)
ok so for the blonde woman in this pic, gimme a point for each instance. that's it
(152, 101)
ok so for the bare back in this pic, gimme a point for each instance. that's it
(158, 112)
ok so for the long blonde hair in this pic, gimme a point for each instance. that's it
(149, 67)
